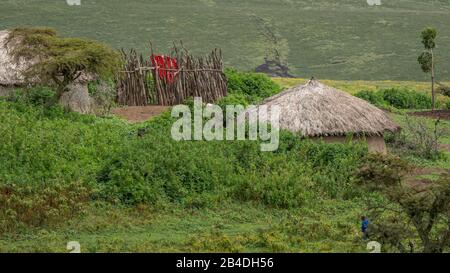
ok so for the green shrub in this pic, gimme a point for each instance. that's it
(40, 147)
(378, 170)
(254, 86)
(333, 165)
(273, 240)
(375, 98)
(155, 169)
(397, 98)
(407, 99)
(35, 96)
(151, 168)
(233, 99)
(281, 189)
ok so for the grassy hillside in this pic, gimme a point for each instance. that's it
(326, 38)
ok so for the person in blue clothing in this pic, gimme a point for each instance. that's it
(365, 227)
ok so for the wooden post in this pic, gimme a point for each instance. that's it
(433, 94)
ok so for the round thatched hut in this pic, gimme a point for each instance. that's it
(317, 111)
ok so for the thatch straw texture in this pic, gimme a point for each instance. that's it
(316, 110)
(11, 70)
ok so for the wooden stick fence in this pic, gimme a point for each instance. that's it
(140, 83)
(132, 88)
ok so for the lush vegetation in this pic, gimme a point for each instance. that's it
(412, 213)
(397, 98)
(61, 61)
(246, 88)
(317, 37)
(66, 176)
(118, 187)
(353, 87)
(60, 166)
(373, 91)
(49, 147)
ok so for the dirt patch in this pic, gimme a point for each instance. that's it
(442, 114)
(444, 147)
(136, 114)
(274, 69)
(416, 178)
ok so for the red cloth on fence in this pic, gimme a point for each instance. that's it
(166, 66)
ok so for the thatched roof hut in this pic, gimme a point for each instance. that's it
(315, 110)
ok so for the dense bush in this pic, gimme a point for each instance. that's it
(35, 96)
(235, 99)
(407, 218)
(407, 99)
(250, 87)
(398, 98)
(49, 160)
(42, 145)
(281, 189)
(374, 97)
(110, 158)
(155, 169)
(379, 171)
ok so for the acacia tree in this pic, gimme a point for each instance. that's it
(60, 61)
(426, 59)
(408, 214)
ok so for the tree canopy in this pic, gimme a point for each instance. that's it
(60, 61)
(428, 40)
(407, 216)
(426, 58)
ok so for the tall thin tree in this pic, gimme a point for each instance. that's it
(427, 58)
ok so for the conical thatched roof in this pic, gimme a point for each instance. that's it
(315, 109)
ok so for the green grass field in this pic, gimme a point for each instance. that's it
(325, 227)
(346, 40)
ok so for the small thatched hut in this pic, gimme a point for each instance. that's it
(317, 111)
